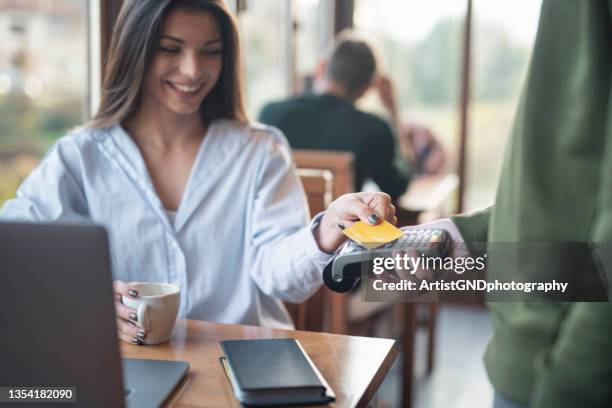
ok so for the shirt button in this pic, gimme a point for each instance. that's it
(175, 244)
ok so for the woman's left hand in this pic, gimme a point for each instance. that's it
(344, 211)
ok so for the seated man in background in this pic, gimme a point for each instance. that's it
(329, 120)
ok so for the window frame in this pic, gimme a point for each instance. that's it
(101, 15)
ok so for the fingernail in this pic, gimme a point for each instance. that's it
(134, 340)
(373, 219)
(341, 226)
(134, 317)
(132, 293)
(138, 341)
(142, 335)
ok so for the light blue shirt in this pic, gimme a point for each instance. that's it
(239, 242)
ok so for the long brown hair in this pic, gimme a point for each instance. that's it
(133, 46)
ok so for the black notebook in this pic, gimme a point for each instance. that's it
(273, 372)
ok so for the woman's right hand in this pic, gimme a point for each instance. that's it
(126, 316)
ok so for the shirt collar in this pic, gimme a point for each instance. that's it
(223, 141)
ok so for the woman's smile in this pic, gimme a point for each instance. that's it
(185, 88)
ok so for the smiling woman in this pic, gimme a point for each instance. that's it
(187, 64)
(190, 193)
(160, 45)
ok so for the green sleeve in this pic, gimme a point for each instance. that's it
(473, 227)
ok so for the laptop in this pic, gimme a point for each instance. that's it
(57, 320)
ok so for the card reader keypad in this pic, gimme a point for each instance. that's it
(431, 242)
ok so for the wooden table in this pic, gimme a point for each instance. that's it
(353, 366)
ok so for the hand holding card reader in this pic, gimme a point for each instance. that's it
(343, 271)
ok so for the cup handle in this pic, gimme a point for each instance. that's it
(143, 317)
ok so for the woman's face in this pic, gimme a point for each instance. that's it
(187, 62)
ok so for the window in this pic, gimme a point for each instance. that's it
(43, 81)
(262, 35)
(502, 40)
(313, 34)
(420, 45)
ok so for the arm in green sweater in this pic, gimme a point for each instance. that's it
(578, 369)
(473, 227)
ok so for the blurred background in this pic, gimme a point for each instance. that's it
(46, 73)
(457, 67)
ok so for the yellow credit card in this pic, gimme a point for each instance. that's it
(373, 236)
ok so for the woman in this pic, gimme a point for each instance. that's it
(188, 191)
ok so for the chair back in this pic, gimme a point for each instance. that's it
(318, 186)
(325, 175)
(339, 163)
(318, 189)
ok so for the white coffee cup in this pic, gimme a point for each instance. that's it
(156, 306)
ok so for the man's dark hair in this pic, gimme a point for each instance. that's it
(351, 64)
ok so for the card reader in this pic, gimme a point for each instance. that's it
(343, 271)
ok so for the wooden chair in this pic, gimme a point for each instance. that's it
(341, 166)
(318, 188)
